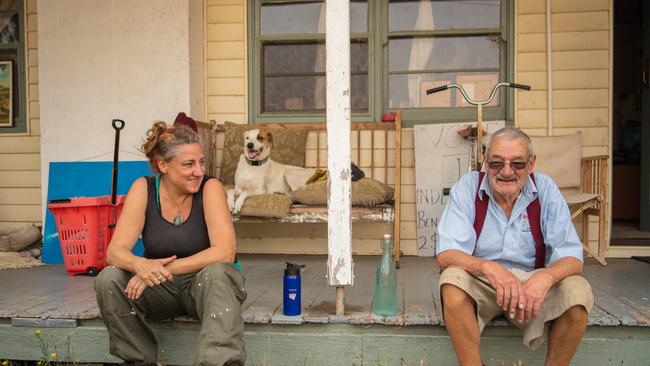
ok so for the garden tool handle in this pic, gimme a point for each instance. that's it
(118, 124)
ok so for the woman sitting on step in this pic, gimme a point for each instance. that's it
(187, 268)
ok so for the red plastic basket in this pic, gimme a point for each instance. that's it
(85, 226)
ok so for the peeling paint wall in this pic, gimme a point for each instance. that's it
(105, 59)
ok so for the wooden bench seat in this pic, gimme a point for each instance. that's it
(303, 214)
(375, 148)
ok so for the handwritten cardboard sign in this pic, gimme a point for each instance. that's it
(441, 158)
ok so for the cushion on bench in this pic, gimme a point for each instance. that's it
(366, 192)
(266, 205)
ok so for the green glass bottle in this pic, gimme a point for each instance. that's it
(386, 280)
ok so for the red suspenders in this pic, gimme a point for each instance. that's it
(534, 218)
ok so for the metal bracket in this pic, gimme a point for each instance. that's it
(44, 323)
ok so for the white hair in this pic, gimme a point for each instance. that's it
(512, 133)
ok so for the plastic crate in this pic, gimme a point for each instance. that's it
(85, 226)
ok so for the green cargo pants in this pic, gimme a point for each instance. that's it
(214, 296)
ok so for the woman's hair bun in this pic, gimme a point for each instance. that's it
(152, 138)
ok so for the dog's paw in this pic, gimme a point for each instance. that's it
(237, 209)
(231, 200)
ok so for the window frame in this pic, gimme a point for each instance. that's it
(378, 75)
(20, 118)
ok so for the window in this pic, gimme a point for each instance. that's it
(12, 70)
(399, 49)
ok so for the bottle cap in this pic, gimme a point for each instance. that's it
(387, 242)
(293, 269)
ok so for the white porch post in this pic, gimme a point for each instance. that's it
(339, 238)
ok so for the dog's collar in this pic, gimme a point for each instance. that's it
(257, 162)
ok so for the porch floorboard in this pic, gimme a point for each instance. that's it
(63, 309)
(621, 290)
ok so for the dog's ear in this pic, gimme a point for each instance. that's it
(264, 134)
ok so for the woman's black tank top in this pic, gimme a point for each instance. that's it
(162, 239)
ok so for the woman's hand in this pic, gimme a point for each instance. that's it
(135, 287)
(152, 271)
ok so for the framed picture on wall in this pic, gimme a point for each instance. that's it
(6, 94)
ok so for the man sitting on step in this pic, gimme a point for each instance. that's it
(508, 247)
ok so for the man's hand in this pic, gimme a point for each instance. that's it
(533, 293)
(153, 271)
(507, 285)
(135, 287)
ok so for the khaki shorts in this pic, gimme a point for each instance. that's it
(571, 291)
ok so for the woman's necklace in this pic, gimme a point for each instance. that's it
(178, 219)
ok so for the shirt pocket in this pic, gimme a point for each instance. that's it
(526, 239)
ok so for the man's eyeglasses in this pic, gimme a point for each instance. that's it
(514, 165)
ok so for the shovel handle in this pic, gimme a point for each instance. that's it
(118, 124)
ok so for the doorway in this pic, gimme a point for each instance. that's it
(631, 122)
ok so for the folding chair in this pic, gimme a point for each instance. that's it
(582, 181)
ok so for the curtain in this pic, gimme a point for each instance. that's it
(421, 50)
(319, 86)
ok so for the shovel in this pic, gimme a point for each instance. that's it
(118, 125)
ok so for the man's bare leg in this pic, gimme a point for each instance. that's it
(461, 323)
(565, 335)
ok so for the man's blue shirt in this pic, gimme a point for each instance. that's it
(508, 241)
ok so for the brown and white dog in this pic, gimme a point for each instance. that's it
(257, 173)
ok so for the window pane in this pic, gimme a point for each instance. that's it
(8, 5)
(408, 15)
(295, 58)
(440, 53)
(8, 28)
(12, 53)
(307, 93)
(409, 90)
(307, 18)
(294, 76)
(358, 16)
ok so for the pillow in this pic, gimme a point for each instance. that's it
(289, 147)
(266, 205)
(366, 192)
(560, 157)
(19, 239)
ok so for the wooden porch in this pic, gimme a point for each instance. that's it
(63, 309)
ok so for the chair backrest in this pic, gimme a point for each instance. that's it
(560, 157)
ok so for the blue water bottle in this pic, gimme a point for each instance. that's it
(291, 304)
